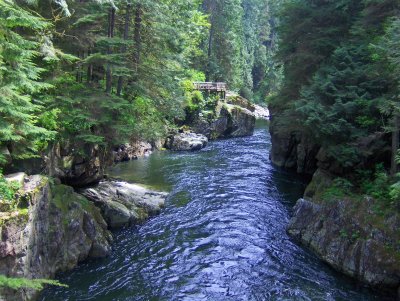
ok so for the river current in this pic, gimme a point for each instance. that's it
(221, 236)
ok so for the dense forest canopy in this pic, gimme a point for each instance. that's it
(340, 85)
(103, 72)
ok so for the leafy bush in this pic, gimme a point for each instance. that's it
(340, 189)
(8, 190)
(379, 186)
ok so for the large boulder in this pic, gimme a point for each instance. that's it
(57, 230)
(240, 101)
(186, 141)
(77, 169)
(130, 151)
(350, 237)
(123, 204)
(240, 121)
(261, 112)
(229, 121)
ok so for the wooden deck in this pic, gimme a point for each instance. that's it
(209, 87)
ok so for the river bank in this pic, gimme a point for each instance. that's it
(355, 233)
(221, 235)
(78, 196)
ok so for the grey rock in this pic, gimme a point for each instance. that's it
(123, 204)
(291, 149)
(133, 150)
(335, 232)
(61, 229)
(230, 121)
(261, 112)
(186, 141)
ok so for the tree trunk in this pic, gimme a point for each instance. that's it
(137, 38)
(123, 50)
(210, 7)
(395, 144)
(89, 75)
(111, 25)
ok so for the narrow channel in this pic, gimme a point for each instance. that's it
(221, 236)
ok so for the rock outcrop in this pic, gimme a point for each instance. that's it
(186, 141)
(346, 232)
(58, 229)
(233, 118)
(87, 167)
(345, 235)
(351, 235)
(292, 149)
(131, 151)
(261, 112)
(76, 169)
(123, 204)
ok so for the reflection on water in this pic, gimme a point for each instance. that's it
(221, 237)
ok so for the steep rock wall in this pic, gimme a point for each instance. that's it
(60, 229)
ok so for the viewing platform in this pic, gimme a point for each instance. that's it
(210, 87)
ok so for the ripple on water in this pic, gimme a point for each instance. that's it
(221, 237)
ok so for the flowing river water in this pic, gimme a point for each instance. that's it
(221, 236)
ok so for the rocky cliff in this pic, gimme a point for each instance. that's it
(351, 238)
(349, 233)
(291, 148)
(352, 234)
(58, 229)
(231, 118)
(55, 228)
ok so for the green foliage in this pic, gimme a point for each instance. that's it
(152, 125)
(340, 188)
(341, 103)
(378, 186)
(101, 73)
(19, 80)
(394, 192)
(19, 283)
(338, 87)
(8, 190)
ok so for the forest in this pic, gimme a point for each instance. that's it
(102, 72)
(88, 84)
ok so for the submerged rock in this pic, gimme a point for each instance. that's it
(345, 234)
(186, 141)
(123, 204)
(59, 229)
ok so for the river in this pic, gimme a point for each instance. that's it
(221, 236)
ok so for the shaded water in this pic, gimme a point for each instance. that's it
(221, 236)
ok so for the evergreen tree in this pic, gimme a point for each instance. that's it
(20, 80)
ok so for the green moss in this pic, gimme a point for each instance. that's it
(142, 214)
(63, 196)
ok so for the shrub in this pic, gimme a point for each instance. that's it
(8, 190)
